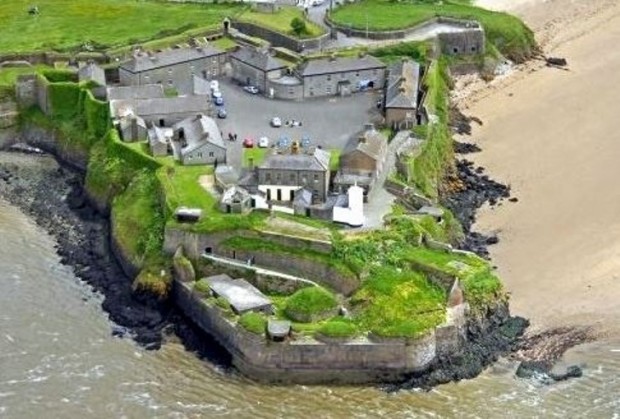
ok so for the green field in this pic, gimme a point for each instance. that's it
(507, 33)
(281, 21)
(69, 24)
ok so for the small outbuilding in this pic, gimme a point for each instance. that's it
(240, 294)
(236, 200)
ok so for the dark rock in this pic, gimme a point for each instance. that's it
(556, 61)
(573, 371)
(515, 199)
(466, 148)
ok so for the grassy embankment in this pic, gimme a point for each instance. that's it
(505, 33)
(66, 25)
(281, 21)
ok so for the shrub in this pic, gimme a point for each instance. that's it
(299, 26)
(253, 322)
(310, 304)
(339, 328)
(202, 286)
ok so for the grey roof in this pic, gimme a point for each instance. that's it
(402, 89)
(235, 194)
(159, 135)
(126, 121)
(159, 106)
(144, 62)
(226, 175)
(343, 178)
(92, 71)
(303, 197)
(240, 294)
(200, 86)
(339, 65)
(198, 131)
(370, 142)
(260, 60)
(145, 91)
(316, 161)
(278, 328)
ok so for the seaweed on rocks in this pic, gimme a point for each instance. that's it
(487, 339)
(54, 197)
(474, 190)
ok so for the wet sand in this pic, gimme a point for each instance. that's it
(553, 136)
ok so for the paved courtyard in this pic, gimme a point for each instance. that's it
(329, 122)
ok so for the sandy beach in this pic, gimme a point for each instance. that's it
(553, 135)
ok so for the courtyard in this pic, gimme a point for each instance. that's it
(329, 122)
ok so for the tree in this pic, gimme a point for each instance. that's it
(298, 25)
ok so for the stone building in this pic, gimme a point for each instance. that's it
(160, 141)
(236, 200)
(92, 72)
(341, 75)
(163, 112)
(173, 68)
(280, 176)
(132, 128)
(197, 140)
(470, 41)
(145, 91)
(401, 95)
(362, 161)
(255, 67)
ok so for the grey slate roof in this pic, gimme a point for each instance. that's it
(145, 62)
(339, 65)
(92, 71)
(240, 294)
(145, 91)
(126, 121)
(374, 144)
(198, 131)
(317, 161)
(159, 106)
(260, 60)
(403, 85)
(159, 135)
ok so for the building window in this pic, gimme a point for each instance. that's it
(311, 91)
(170, 82)
(342, 75)
(374, 72)
(267, 177)
(146, 77)
(292, 177)
(328, 90)
(199, 155)
(214, 60)
(277, 177)
(211, 154)
(169, 71)
(329, 77)
(357, 74)
(316, 177)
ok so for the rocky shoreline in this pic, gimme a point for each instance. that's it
(54, 197)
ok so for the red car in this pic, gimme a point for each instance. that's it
(248, 143)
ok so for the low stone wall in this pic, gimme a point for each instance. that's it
(278, 39)
(195, 244)
(310, 362)
(403, 33)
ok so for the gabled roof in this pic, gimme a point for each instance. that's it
(127, 120)
(159, 135)
(316, 161)
(339, 65)
(260, 60)
(370, 142)
(239, 293)
(159, 106)
(199, 130)
(92, 71)
(144, 62)
(145, 91)
(403, 85)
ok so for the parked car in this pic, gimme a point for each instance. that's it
(276, 122)
(214, 85)
(263, 142)
(251, 89)
(221, 113)
(305, 141)
(248, 142)
(219, 101)
(284, 141)
(216, 94)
